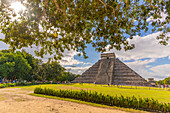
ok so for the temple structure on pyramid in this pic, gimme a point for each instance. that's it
(110, 70)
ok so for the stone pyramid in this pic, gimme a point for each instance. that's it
(110, 70)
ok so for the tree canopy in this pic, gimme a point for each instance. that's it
(165, 81)
(23, 66)
(13, 66)
(53, 71)
(56, 25)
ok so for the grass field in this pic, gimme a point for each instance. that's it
(144, 92)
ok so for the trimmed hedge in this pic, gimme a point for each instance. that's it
(120, 101)
(3, 85)
(7, 85)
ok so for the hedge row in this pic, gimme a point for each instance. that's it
(120, 101)
(3, 85)
(7, 85)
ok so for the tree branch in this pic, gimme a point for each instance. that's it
(105, 5)
(46, 2)
(43, 14)
(58, 8)
(108, 6)
(69, 6)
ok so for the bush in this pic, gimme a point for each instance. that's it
(3, 85)
(121, 101)
(7, 85)
(13, 84)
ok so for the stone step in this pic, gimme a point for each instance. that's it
(124, 74)
(122, 70)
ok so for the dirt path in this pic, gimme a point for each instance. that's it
(15, 100)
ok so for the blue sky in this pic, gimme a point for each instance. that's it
(149, 59)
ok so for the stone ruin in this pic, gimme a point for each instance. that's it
(110, 70)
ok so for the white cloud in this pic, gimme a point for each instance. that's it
(140, 66)
(2, 44)
(163, 70)
(145, 47)
(163, 15)
(142, 62)
(77, 70)
(2, 36)
(69, 59)
(148, 71)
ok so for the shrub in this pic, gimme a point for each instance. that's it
(13, 84)
(3, 85)
(95, 97)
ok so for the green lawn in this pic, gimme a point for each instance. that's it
(156, 93)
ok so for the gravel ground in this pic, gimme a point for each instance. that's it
(15, 100)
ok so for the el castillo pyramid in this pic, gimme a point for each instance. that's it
(110, 70)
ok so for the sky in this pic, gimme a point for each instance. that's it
(149, 58)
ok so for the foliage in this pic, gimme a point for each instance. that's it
(23, 66)
(13, 66)
(7, 85)
(57, 25)
(3, 85)
(120, 101)
(165, 81)
(67, 76)
(53, 71)
(31, 61)
(28, 57)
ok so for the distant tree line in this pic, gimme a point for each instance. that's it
(23, 66)
(165, 81)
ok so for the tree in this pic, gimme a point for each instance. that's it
(55, 70)
(57, 25)
(23, 66)
(13, 66)
(42, 72)
(165, 81)
(52, 71)
(49, 71)
(31, 61)
(67, 76)
(7, 66)
(36, 72)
